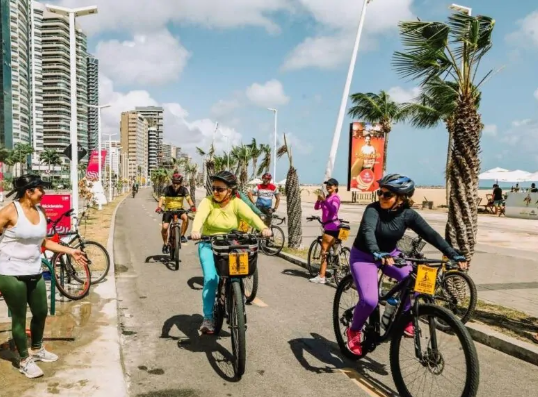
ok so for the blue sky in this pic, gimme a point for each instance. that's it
(226, 61)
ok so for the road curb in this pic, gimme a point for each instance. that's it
(480, 333)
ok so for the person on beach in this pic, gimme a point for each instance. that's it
(498, 198)
(24, 226)
(329, 207)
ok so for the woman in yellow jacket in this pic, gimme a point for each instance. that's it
(219, 214)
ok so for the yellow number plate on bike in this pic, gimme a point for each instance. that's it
(426, 280)
(343, 234)
(243, 226)
(238, 264)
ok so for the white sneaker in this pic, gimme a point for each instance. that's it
(207, 327)
(318, 280)
(45, 356)
(30, 369)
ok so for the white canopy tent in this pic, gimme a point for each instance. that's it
(493, 174)
(533, 177)
(515, 176)
(255, 181)
(281, 183)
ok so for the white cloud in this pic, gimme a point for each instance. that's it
(523, 134)
(224, 107)
(527, 34)
(490, 130)
(298, 146)
(269, 94)
(536, 94)
(144, 15)
(338, 20)
(400, 94)
(154, 58)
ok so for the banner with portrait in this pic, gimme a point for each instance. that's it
(366, 147)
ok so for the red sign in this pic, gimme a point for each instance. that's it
(92, 172)
(54, 206)
(366, 147)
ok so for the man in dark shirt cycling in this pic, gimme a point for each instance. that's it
(382, 226)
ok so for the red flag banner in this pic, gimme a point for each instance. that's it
(92, 171)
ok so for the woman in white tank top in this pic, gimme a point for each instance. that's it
(24, 227)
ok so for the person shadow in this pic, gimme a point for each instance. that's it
(329, 354)
(164, 259)
(196, 280)
(220, 359)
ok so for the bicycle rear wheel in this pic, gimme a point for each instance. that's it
(273, 245)
(236, 311)
(177, 247)
(250, 285)
(314, 258)
(342, 266)
(73, 280)
(433, 360)
(98, 259)
(458, 294)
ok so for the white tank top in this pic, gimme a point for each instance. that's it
(20, 246)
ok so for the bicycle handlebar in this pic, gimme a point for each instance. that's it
(404, 261)
(235, 234)
(317, 218)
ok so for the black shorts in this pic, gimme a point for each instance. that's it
(168, 216)
(332, 233)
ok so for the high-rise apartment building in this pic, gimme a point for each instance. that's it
(134, 142)
(113, 156)
(167, 154)
(93, 99)
(154, 116)
(153, 145)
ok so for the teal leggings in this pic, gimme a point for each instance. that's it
(18, 294)
(211, 278)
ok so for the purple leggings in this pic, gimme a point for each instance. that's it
(364, 270)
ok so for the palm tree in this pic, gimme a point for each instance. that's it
(243, 155)
(50, 157)
(266, 160)
(20, 153)
(159, 177)
(191, 169)
(255, 152)
(209, 167)
(452, 51)
(377, 109)
(293, 199)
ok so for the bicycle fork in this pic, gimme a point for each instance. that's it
(432, 348)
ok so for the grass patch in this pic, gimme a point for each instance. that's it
(303, 254)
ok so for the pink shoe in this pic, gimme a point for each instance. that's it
(409, 330)
(354, 341)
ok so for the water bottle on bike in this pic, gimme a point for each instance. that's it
(388, 314)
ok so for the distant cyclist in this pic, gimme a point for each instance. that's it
(135, 186)
(265, 192)
(172, 198)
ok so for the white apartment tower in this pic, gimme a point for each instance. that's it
(154, 116)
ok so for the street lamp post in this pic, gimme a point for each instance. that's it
(99, 147)
(109, 166)
(72, 14)
(345, 95)
(275, 111)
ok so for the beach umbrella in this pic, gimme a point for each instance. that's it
(493, 174)
(514, 176)
(255, 181)
(532, 177)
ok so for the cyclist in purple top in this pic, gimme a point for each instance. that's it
(329, 217)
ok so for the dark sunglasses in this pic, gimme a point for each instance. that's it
(387, 195)
(219, 189)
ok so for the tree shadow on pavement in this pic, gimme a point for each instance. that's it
(196, 280)
(164, 259)
(220, 359)
(296, 273)
(329, 353)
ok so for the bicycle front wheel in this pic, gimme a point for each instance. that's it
(177, 247)
(273, 245)
(429, 352)
(345, 300)
(314, 258)
(98, 259)
(458, 294)
(250, 285)
(237, 328)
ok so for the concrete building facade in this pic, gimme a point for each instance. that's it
(134, 142)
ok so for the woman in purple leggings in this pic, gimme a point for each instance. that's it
(382, 226)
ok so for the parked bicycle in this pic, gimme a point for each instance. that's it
(174, 235)
(337, 256)
(424, 350)
(455, 289)
(97, 254)
(236, 257)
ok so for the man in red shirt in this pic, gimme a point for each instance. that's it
(265, 192)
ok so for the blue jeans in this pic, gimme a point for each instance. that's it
(211, 278)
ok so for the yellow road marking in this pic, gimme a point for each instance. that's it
(258, 302)
(363, 384)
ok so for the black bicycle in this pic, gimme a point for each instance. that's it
(337, 256)
(424, 350)
(455, 289)
(98, 257)
(236, 257)
(174, 235)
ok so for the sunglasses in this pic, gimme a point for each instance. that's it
(386, 195)
(219, 189)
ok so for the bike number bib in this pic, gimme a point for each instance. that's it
(238, 264)
(343, 234)
(426, 280)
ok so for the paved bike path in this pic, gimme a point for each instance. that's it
(290, 341)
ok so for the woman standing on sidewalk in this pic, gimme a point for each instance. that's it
(329, 207)
(24, 227)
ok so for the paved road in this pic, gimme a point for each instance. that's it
(290, 341)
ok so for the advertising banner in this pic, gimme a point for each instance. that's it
(54, 206)
(366, 146)
(522, 205)
(92, 172)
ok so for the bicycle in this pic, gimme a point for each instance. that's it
(337, 256)
(174, 235)
(97, 254)
(421, 283)
(236, 256)
(451, 285)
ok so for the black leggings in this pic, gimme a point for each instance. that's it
(18, 292)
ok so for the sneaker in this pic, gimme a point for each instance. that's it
(183, 240)
(45, 356)
(318, 280)
(207, 327)
(354, 341)
(165, 249)
(409, 330)
(30, 369)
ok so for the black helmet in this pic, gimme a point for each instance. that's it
(227, 177)
(398, 184)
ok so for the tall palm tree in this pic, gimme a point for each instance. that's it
(255, 152)
(243, 155)
(265, 165)
(19, 155)
(293, 199)
(191, 170)
(159, 178)
(209, 166)
(50, 157)
(377, 109)
(452, 51)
